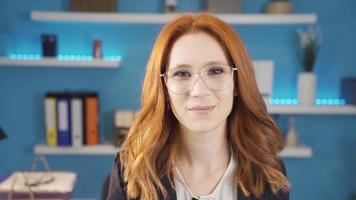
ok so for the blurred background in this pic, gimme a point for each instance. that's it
(324, 170)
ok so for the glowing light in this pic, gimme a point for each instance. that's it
(62, 57)
(112, 58)
(16, 56)
(318, 102)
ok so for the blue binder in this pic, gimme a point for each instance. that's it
(64, 120)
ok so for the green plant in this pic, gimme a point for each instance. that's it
(309, 41)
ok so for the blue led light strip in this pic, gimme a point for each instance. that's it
(25, 57)
(62, 57)
(318, 102)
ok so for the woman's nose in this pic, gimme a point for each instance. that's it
(198, 87)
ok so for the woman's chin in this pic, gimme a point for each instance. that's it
(201, 128)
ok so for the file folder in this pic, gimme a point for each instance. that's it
(91, 119)
(51, 119)
(77, 120)
(64, 120)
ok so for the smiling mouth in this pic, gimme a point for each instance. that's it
(202, 110)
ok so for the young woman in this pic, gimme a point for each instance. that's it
(203, 131)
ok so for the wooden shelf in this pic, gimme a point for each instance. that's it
(53, 62)
(297, 152)
(107, 149)
(312, 110)
(136, 18)
(102, 149)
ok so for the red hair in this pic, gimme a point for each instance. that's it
(148, 151)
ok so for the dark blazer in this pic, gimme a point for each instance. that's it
(117, 188)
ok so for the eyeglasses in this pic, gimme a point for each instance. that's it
(216, 77)
(39, 178)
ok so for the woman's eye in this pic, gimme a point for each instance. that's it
(216, 70)
(182, 74)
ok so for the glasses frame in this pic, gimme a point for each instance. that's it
(164, 76)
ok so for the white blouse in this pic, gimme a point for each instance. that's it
(225, 189)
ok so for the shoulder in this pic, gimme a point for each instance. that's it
(280, 195)
(268, 193)
(284, 170)
(116, 186)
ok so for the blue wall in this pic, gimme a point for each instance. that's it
(330, 174)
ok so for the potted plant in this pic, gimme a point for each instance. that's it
(309, 41)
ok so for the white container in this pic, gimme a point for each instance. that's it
(306, 88)
(264, 70)
(292, 137)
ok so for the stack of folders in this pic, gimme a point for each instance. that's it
(72, 118)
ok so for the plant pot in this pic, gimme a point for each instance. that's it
(306, 88)
(279, 7)
(224, 6)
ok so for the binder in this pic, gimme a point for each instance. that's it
(84, 139)
(91, 119)
(64, 120)
(51, 119)
(77, 120)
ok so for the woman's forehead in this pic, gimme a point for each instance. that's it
(195, 50)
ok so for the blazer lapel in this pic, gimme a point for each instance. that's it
(171, 191)
(240, 195)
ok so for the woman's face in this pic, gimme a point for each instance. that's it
(202, 108)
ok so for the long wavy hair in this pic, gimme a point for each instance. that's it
(148, 151)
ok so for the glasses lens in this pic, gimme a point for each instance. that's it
(215, 77)
(218, 77)
(179, 80)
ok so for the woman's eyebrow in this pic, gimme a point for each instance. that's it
(215, 62)
(185, 65)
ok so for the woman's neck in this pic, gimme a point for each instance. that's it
(209, 150)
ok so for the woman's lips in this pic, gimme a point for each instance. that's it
(202, 110)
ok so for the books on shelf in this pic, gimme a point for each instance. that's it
(72, 118)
